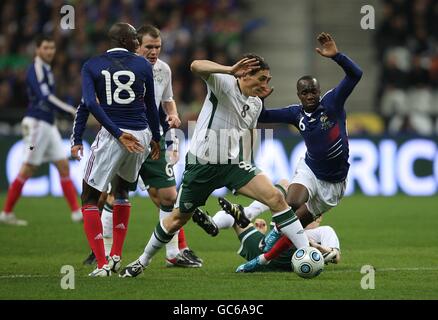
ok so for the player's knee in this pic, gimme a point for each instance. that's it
(153, 192)
(122, 195)
(89, 195)
(284, 183)
(295, 206)
(64, 172)
(89, 199)
(293, 202)
(86, 199)
(121, 192)
(168, 200)
(167, 196)
(27, 171)
(63, 168)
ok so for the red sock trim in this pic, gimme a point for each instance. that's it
(182, 242)
(70, 193)
(94, 232)
(14, 193)
(121, 213)
(281, 245)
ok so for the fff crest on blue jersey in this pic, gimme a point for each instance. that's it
(325, 122)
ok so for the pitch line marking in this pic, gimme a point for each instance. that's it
(391, 269)
(12, 276)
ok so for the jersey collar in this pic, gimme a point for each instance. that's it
(117, 49)
(309, 114)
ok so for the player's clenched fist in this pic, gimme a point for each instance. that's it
(77, 152)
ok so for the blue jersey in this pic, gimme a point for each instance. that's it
(81, 118)
(122, 82)
(163, 117)
(324, 130)
(41, 92)
(79, 124)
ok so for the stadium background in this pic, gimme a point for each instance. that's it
(395, 100)
(392, 119)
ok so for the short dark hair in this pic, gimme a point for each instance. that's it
(262, 63)
(307, 78)
(39, 39)
(149, 29)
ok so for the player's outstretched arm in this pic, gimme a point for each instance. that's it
(329, 50)
(204, 68)
(281, 115)
(328, 46)
(353, 73)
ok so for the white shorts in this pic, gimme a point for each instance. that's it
(109, 157)
(42, 142)
(323, 195)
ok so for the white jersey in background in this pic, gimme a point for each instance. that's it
(227, 112)
(162, 84)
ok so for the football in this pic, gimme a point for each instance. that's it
(307, 262)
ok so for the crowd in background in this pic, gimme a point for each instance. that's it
(190, 29)
(406, 45)
(407, 50)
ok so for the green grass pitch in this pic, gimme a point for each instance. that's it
(398, 236)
